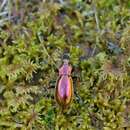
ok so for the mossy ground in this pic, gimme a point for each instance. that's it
(95, 34)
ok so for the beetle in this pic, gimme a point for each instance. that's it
(64, 85)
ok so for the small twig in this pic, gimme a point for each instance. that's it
(96, 15)
(94, 49)
(5, 9)
(9, 9)
(97, 24)
(3, 4)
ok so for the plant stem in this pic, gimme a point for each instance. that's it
(96, 15)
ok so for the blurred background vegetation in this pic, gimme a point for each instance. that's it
(34, 35)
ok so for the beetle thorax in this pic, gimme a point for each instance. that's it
(65, 69)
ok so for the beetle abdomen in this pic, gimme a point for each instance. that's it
(64, 90)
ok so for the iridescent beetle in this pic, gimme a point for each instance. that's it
(64, 85)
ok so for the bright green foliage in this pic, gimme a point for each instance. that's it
(31, 51)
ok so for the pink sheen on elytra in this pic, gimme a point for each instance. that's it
(64, 86)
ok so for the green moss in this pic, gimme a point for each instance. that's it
(31, 51)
